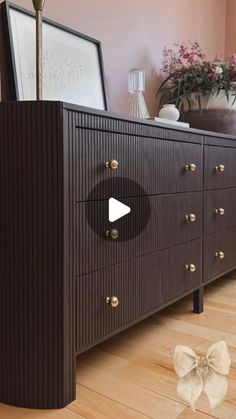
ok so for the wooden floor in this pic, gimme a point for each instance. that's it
(131, 376)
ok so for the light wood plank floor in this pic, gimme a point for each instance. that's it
(131, 375)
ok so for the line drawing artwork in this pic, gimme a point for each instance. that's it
(60, 76)
(72, 69)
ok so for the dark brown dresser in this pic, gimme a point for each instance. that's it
(66, 286)
(219, 207)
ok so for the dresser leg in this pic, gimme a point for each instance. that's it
(198, 303)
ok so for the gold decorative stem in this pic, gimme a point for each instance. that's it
(38, 6)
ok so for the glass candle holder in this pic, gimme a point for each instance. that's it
(136, 105)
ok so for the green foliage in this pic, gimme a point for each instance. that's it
(201, 79)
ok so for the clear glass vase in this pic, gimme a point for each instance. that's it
(136, 105)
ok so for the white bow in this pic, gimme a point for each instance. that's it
(199, 374)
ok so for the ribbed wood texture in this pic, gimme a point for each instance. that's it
(222, 141)
(222, 198)
(37, 358)
(158, 166)
(224, 241)
(215, 156)
(52, 155)
(105, 122)
(166, 227)
(141, 285)
(219, 230)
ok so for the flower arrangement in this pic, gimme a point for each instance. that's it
(190, 76)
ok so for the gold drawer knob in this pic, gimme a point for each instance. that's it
(220, 168)
(219, 255)
(190, 217)
(112, 234)
(191, 167)
(113, 301)
(219, 211)
(112, 164)
(190, 268)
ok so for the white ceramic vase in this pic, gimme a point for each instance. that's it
(170, 112)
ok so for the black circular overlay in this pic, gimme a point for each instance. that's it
(129, 193)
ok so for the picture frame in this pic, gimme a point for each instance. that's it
(73, 70)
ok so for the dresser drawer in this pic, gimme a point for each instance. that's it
(158, 166)
(166, 227)
(220, 167)
(219, 210)
(141, 285)
(223, 244)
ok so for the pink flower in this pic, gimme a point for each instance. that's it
(213, 76)
(232, 60)
(184, 56)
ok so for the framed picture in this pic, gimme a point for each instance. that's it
(72, 62)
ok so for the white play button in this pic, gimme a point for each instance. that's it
(117, 210)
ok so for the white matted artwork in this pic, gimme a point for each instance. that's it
(72, 62)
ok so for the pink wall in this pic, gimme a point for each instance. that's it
(230, 39)
(134, 32)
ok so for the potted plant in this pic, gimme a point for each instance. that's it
(204, 91)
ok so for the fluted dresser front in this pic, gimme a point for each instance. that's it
(66, 287)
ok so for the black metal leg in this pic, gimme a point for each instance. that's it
(198, 301)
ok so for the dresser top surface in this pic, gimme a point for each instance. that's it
(122, 118)
(126, 118)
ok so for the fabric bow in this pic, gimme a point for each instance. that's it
(199, 374)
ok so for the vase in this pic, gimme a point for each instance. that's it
(170, 112)
(136, 105)
(217, 114)
(219, 101)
